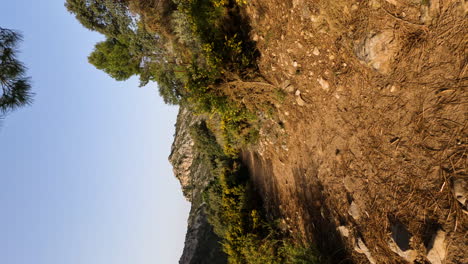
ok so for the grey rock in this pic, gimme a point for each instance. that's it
(361, 247)
(437, 248)
(354, 211)
(323, 83)
(299, 99)
(460, 191)
(316, 51)
(182, 153)
(378, 50)
(202, 245)
(344, 231)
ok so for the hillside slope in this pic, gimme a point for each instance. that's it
(202, 245)
(367, 154)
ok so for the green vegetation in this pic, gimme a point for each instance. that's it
(189, 47)
(16, 88)
(115, 59)
(192, 48)
(236, 211)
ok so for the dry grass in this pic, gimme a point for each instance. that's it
(400, 147)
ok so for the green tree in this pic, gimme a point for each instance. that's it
(116, 59)
(16, 87)
(108, 17)
(168, 75)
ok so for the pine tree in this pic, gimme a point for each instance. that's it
(16, 87)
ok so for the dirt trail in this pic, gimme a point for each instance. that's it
(376, 114)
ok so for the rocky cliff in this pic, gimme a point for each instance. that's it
(202, 245)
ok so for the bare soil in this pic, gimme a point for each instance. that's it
(366, 103)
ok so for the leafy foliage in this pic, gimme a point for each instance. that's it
(108, 17)
(236, 213)
(115, 59)
(16, 88)
(198, 46)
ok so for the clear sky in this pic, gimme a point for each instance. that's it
(84, 176)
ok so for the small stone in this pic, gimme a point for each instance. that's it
(316, 51)
(331, 57)
(299, 99)
(360, 247)
(378, 50)
(255, 37)
(354, 211)
(460, 190)
(295, 64)
(437, 248)
(325, 85)
(344, 231)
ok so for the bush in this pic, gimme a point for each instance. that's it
(236, 212)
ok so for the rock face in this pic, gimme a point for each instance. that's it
(202, 245)
(182, 154)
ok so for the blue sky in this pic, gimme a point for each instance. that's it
(84, 173)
